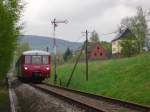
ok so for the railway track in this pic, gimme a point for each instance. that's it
(91, 102)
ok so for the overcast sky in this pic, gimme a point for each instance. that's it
(104, 16)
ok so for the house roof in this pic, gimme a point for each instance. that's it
(90, 46)
(122, 33)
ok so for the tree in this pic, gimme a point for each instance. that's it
(94, 37)
(129, 47)
(10, 12)
(107, 47)
(21, 48)
(138, 25)
(60, 58)
(67, 54)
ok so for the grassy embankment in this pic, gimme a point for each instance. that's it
(4, 99)
(127, 79)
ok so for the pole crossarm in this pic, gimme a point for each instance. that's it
(65, 21)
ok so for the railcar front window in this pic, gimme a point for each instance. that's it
(27, 59)
(45, 59)
(36, 59)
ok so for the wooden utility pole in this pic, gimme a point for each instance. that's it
(86, 54)
(55, 24)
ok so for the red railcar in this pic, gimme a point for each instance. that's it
(34, 65)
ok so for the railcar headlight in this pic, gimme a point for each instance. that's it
(47, 68)
(26, 68)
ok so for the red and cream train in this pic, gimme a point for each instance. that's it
(34, 65)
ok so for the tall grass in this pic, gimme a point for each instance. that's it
(127, 79)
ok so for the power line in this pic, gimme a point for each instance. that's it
(78, 39)
(108, 33)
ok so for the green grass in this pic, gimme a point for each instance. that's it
(126, 79)
(4, 99)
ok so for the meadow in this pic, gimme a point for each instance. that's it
(126, 79)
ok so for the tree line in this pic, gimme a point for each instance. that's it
(10, 13)
(138, 25)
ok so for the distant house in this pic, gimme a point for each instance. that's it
(116, 47)
(96, 51)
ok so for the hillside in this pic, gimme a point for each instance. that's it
(41, 42)
(127, 79)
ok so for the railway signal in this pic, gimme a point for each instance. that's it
(55, 24)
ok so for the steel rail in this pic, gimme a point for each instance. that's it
(53, 89)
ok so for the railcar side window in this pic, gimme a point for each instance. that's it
(27, 59)
(36, 59)
(45, 59)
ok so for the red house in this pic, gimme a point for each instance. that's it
(96, 51)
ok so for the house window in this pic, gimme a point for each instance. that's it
(95, 54)
(101, 54)
(114, 43)
(114, 49)
(98, 47)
